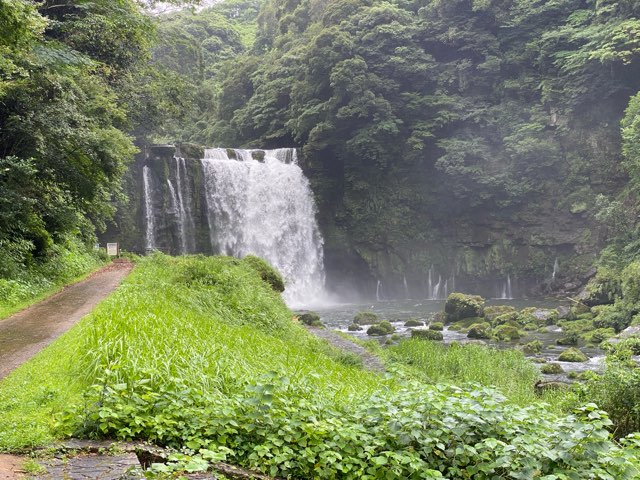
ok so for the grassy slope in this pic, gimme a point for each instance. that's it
(158, 327)
(200, 352)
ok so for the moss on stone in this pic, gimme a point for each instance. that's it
(479, 330)
(382, 328)
(506, 333)
(437, 326)
(427, 335)
(412, 322)
(366, 318)
(552, 368)
(459, 306)
(572, 355)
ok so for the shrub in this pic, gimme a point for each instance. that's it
(459, 306)
(427, 335)
(366, 318)
(615, 316)
(266, 272)
(310, 318)
(572, 355)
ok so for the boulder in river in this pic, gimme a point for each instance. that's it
(459, 306)
(572, 355)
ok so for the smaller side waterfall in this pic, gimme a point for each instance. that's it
(150, 229)
(406, 287)
(506, 290)
(556, 268)
(379, 291)
(439, 291)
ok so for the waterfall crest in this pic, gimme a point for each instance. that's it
(261, 203)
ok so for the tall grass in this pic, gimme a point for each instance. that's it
(507, 370)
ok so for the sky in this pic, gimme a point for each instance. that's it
(162, 7)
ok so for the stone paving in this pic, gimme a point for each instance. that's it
(91, 466)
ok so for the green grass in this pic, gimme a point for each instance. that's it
(507, 370)
(210, 324)
(202, 355)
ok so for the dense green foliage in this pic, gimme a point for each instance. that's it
(226, 375)
(415, 114)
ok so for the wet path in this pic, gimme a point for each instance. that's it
(29, 331)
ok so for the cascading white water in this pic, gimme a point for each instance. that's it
(150, 229)
(379, 291)
(439, 291)
(506, 290)
(556, 267)
(406, 287)
(186, 223)
(266, 208)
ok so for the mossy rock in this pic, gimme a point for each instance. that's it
(354, 327)
(568, 339)
(506, 333)
(599, 335)
(492, 312)
(530, 327)
(427, 335)
(310, 318)
(412, 322)
(479, 330)
(511, 318)
(266, 272)
(541, 316)
(465, 324)
(538, 360)
(459, 306)
(585, 316)
(436, 326)
(382, 328)
(366, 318)
(572, 355)
(552, 368)
(532, 347)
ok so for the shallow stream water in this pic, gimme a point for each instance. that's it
(340, 316)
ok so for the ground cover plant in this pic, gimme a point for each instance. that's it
(200, 354)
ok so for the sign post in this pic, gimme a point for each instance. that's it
(113, 249)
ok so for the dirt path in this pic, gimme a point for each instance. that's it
(369, 361)
(29, 331)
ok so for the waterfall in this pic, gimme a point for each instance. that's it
(406, 287)
(555, 269)
(176, 210)
(506, 290)
(379, 291)
(439, 291)
(436, 290)
(150, 229)
(185, 217)
(266, 208)
(446, 288)
(430, 286)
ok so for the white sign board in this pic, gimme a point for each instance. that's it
(112, 249)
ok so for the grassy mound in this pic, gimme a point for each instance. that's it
(201, 354)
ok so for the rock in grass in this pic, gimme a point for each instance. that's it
(459, 306)
(437, 326)
(552, 368)
(412, 322)
(354, 327)
(479, 330)
(427, 335)
(310, 318)
(382, 328)
(572, 355)
(366, 318)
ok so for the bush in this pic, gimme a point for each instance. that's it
(427, 335)
(266, 272)
(459, 306)
(311, 319)
(615, 316)
(572, 355)
(382, 328)
(366, 318)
